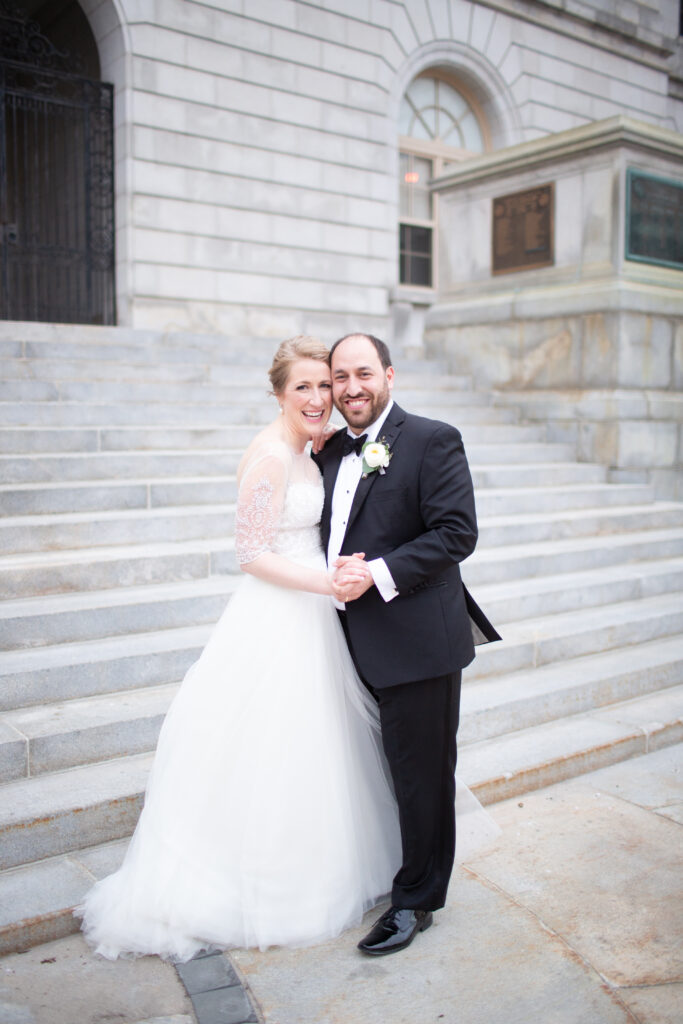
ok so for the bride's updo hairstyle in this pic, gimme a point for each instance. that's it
(289, 352)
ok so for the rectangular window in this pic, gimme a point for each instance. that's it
(417, 225)
(416, 255)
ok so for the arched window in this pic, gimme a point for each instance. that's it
(438, 125)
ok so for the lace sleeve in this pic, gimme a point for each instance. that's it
(259, 506)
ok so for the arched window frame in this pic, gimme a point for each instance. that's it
(440, 156)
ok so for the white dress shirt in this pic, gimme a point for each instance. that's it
(348, 478)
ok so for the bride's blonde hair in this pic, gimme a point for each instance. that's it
(300, 347)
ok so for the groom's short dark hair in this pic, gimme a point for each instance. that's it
(381, 347)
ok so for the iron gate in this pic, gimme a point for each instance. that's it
(56, 183)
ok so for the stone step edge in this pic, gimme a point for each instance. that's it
(55, 919)
(522, 633)
(510, 551)
(33, 614)
(150, 593)
(616, 512)
(623, 672)
(116, 597)
(621, 740)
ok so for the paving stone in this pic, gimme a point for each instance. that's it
(207, 973)
(223, 1006)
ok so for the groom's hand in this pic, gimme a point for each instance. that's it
(352, 577)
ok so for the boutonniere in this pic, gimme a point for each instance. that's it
(376, 456)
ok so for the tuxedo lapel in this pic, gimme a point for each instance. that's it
(332, 459)
(388, 433)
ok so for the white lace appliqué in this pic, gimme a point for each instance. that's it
(255, 523)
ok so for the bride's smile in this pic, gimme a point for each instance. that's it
(305, 400)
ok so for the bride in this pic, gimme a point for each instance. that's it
(268, 817)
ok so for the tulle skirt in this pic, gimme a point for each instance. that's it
(269, 816)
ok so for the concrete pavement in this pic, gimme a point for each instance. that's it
(574, 917)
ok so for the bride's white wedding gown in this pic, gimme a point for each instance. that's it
(269, 818)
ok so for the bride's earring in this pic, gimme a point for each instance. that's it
(280, 408)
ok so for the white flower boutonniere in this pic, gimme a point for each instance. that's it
(376, 456)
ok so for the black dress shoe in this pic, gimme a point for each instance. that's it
(395, 930)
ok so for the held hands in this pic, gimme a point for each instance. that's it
(351, 578)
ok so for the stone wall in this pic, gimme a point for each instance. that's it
(256, 142)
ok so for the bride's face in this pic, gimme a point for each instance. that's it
(307, 397)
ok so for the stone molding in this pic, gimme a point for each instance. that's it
(568, 145)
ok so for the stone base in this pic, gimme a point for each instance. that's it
(638, 434)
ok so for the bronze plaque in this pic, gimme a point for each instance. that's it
(654, 219)
(523, 230)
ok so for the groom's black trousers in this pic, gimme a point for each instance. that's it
(419, 724)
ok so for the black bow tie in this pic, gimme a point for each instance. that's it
(353, 444)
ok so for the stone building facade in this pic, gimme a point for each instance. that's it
(284, 166)
(257, 147)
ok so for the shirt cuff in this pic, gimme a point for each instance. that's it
(382, 578)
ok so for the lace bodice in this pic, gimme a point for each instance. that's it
(279, 504)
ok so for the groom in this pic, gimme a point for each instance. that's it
(403, 512)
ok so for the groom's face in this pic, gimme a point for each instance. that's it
(361, 387)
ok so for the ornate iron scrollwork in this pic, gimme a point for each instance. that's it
(56, 181)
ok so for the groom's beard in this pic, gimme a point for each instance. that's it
(359, 419)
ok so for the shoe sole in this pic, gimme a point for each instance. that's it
(427, 923)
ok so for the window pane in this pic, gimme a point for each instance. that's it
(452, 101)
(471, 133)
(423, 92)
(421, 271)
(415, 199)
(415, 258)
(420, 239)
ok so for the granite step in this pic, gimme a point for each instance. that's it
(34, 440)
(511, 765)
(37, 900)
(118, 466)
(79, 414)
(548, 558)
(101, 568)
(88, 529)
(495, 531)
(80, 807)
(103, 495)
(35, 340)
(548, 639)
(71, 810)
(198, 371)
(508, 702)
(535, 596)
(51, 467)
(162, 525)
(60, 467)
(91, 615)
(74, 670)
(95, 615)
(108, 495)
(132, 392)
(502, 501)
(52, 737)
(56, 572)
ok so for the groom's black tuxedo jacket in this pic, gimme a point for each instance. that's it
(418, 516)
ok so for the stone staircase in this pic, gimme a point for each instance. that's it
(118, 452)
